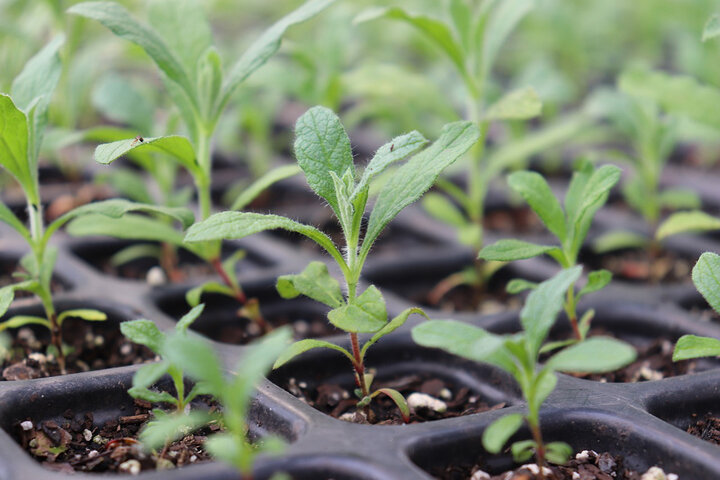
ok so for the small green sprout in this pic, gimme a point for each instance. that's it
(180, 43)
(323, 151)
(706, 277)
(199, 362)
(518, 355)
(23, 118)
(145, 332)
(588, 192)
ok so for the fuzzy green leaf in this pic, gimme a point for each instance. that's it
(322, 146)
(543, 305)
(594, 355)
(303, 346)
(692, 346)
(499, 432)
(263, 183)
(536, 192)
(367, 314)
(397, 149)
(391, 326)
(687, 222)
(416, 176)
(520, 104)
(314, 282)
(143, 332)
(177, 147)
(706, 277)
(508, 250)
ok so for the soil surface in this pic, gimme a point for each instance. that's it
(707, 428)
(638, 266)
(586, 465)
(442, 399)
(92, 346)
(76, 444)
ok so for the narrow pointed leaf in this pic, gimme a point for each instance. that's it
(618, 240)
(9, 218)
(520, 104)
(177, 147)
(303, 346)
(87, 314)
(508, 250)
(186, 320)
(193, 296)
(397, 399)
(134, 227)
(21, 320)
(687, 222)
(263, 183)
(536, 192)
(596, 281)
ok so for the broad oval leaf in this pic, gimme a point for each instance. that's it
(594, 355)
(507, 250)
(366, 314)
(692, 346)
(314, 282)
(706, 277)
(499, 432)
(303, 346)
(537, 193)
(467, 341)
(416, 176)
(687, 222)
(322, 146)
(144, 332)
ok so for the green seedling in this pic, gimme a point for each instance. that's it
(471, 39)
(323, 151)
(180, 44)
(199, 362)
(145, 332)
(706, 277)
(518, 355)
(636, 113)
(588, 192)
(23, 118)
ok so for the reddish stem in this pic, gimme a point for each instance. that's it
(539, 450)
(253, 311)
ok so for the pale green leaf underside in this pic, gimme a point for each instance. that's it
(520, 104)
(687, 222)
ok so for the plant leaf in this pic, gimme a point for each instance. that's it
(523, 450)
(119, 100)
(129, 226)
(168, 428)
(594, 355)
(712, 28)
(509, 249)
(596, 281)
(679, 198)
(442, 209)
(467, 341)
(9, 218)
(265, 47)
(558, 452)
(196, 358)
(314, 282)
(543, 305)
(261, 184)
(322, 146)
(416, 176)
(536, 192)
(177, 147)
(367, 313)
(499, 432)
(706, 277)
(397, 149)
(398, 399)
(618, 240)
(186, 320)
(692, 346)
(505, 18)
(144, 332)
(517, 285)
(303, 346)
(391, 326)
(686, 222)
(520, 104)
(193, 296)
(87, 314)
(14, 146)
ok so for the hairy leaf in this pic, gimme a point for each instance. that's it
(143, 332)
(391, 326)
(366, 314)
(177, 147)
(314, 282)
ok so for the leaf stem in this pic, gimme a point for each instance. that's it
(253, 312)
(571, 312)
(539, 447)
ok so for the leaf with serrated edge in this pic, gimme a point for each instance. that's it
(706, 277)
(367, 313)
(314, 282)
(499, 432)
(687, 222)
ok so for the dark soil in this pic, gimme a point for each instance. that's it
(340, 402)
(589, 465)
(638, 266)
(93, 346)
(707, 428)
(513, 220)
(76, 444)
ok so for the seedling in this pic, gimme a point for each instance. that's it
(181, 45)
(588, 192)
(518, 355)
(471, 40)
(323, 151)
(145, 332)
(706, 277)
(199, 361)
(23, 118)
(636, 113)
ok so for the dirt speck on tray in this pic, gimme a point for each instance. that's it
(707, 428)
(586, 465)
(76, 444)
(429, 398)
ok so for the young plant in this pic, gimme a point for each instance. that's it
(636, 113)
(471, 39)
(588, 192)
(323, 151)
(518, 355)
(199, 362)
(23, 118)
(145, 332)
(706, 277)
(181, 45)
